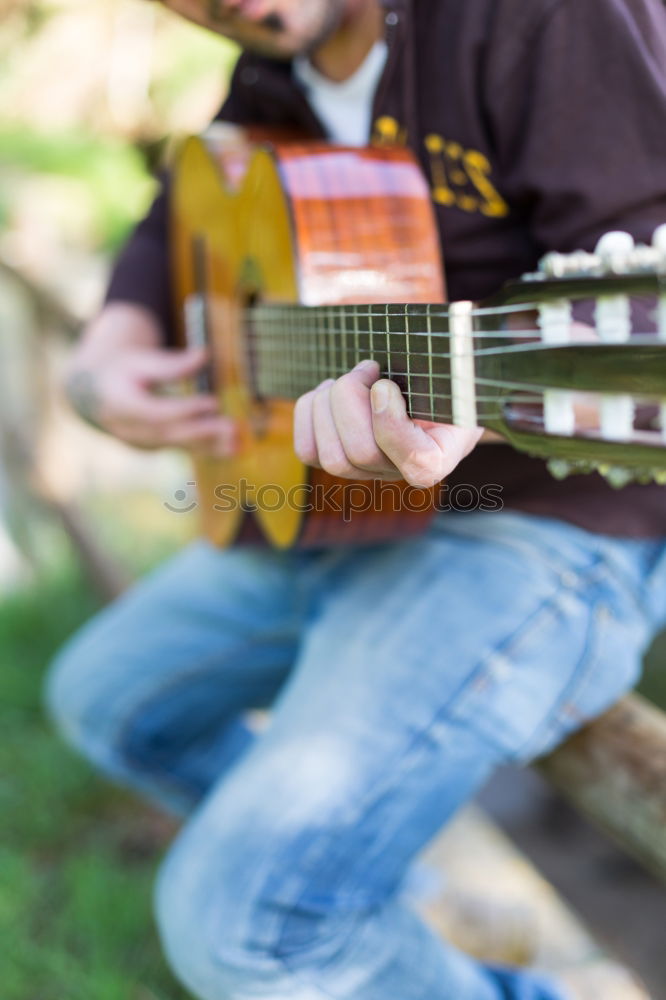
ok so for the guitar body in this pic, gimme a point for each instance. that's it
(287, 222)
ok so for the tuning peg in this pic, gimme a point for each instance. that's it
(659, 244)
(619, 476)
(566, 265)
(560, 468)
(555, 319)
(617, 416)
(616, 475)
(613, 312)
(614, 250)
(659, 240)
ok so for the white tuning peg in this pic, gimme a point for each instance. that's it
(659, 244)
(613, 321)
(659, 239)
(617, 412)
(613, 312)
(614, 250)
(617, 476)
(559, 416)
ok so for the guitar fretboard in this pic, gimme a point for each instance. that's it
(293, 348)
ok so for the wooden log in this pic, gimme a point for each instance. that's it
(614, 771)
(481, 894)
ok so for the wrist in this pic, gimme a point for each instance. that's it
(81, 390)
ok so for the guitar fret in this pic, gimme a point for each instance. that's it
(430, 371)
(295, 345)
(408, 365)
(280, 346)
(330, 337)
(285, 347)
(357, 351)
(372, 339)
(308, 339)
(322, 345)
(388, 341)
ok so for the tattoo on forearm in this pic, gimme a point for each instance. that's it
(82, 394)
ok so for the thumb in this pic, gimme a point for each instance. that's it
(167, 365)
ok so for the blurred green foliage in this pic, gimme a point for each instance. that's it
(101, 156)
(111, 175)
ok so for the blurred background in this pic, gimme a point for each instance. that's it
(93, 96)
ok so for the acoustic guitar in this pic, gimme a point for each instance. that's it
(293, 261)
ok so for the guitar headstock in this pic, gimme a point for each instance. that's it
(584, 383)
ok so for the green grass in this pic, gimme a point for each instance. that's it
(77, 858)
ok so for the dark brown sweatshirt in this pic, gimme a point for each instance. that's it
(541, 124)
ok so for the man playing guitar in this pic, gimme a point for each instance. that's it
(399, 675)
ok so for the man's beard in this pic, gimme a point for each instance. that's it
(276, 25)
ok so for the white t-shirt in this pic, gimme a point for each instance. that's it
(344, 108)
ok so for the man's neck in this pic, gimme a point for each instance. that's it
(342, 54)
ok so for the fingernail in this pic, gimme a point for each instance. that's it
(379, 397)
(363, 364)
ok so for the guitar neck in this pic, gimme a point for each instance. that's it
(429, 350)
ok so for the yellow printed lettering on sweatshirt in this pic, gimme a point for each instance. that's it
(462, 177)
(388, 131)
(459, 177)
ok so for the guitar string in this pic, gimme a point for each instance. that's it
(273, 328)
(638, 338)
(297, 330)
(482, 352)
(269, 324)
(335, 372)
(402, 310)
(378, 310)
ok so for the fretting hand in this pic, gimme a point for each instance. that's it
(357, 427)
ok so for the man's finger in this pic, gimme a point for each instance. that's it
(165, 366)
(138, 405)
(424, 454)
(350, 406)
(216, 435)
(305, 445)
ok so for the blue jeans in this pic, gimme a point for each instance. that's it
(399, 677)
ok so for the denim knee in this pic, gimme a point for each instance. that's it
(65, 696)
(83, 695)
(254, 889)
